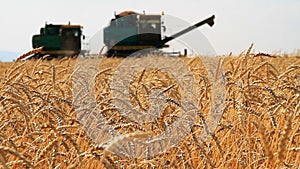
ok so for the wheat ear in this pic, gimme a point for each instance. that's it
(34, 51)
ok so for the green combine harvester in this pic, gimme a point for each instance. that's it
(58, 40)
(130, 32)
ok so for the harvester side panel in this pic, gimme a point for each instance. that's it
(120, 36)
(48, 42)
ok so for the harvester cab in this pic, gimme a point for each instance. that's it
(130, 32)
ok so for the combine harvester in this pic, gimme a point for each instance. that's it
(58, 41)
(127, 33)
(130, 32)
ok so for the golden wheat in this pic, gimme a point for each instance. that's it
(259, 127)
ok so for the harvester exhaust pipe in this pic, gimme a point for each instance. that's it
(209, 21)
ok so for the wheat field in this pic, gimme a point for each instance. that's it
(259, 128)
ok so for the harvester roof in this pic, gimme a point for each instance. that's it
(64, 26)
(126, 13)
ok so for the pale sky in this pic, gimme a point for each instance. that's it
(272, 25)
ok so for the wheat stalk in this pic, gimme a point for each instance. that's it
(17, 154)
(284, 139)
